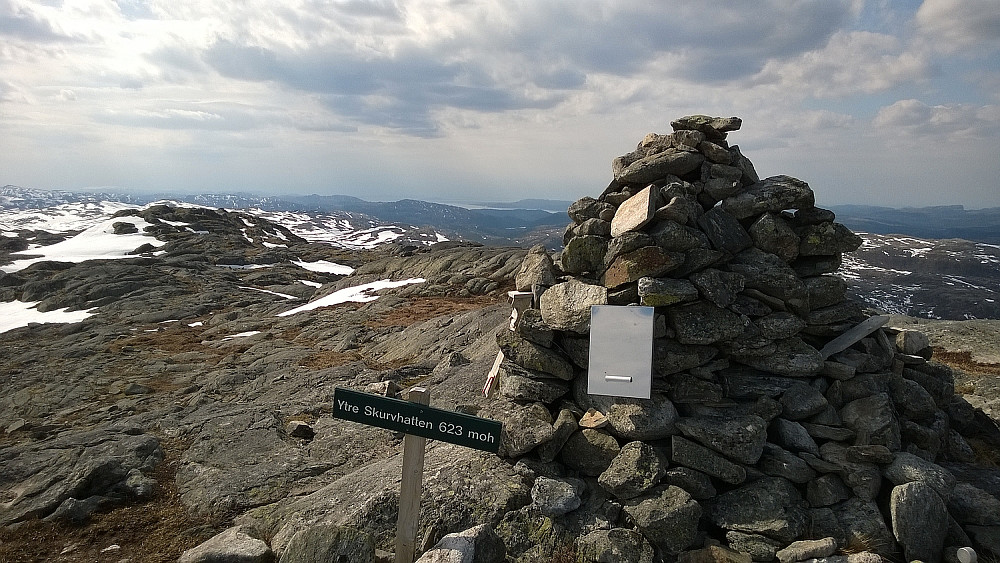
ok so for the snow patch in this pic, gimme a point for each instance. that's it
(357, 294)
(16, 314)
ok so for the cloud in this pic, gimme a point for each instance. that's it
(953, 25)
(20, 22)
(848, 64)
(915, 119)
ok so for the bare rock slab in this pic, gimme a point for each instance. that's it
(635, 213)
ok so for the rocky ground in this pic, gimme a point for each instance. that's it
(155, 423)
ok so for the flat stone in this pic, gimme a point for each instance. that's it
(240, 543)
(919, 521)
(724, 231)
(807, 549)
(698, 457)
(635, 470)
(772, 234)
(704, 323)
(584, 254)
(773, 194)
(740, 437)
(793, 358)
(770, 506)
(658, 166)
(851, 337)
(593, 419)
(635, 213)
(589, 451)
(648, 261)
(556, 497)
(662, 292)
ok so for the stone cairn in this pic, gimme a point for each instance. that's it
(784, 422)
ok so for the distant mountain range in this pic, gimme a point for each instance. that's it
(912, 262)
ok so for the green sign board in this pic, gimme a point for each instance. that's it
(417, 419)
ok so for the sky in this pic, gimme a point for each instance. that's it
(886, 102)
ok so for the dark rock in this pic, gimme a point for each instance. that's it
(670, 356)
(721, 288)
(327, 542)
(874, 418)
(587, 208)
(802, 401)
(675, 237)
(564, 427)
(703, 323)
(635, 470)
(668, 517)
(556, 497)
(299, 429)
(919, 521)
(793, 436)
(772, 234)
(826, 490)
(772, 276)
(793, 358)
(778, 326)
(906, 468)
(648, 261)
(616, 544)
(971, 505)
(740, 438)
(773, 195)
(589, 451)
(724, 231)
(661, 292)
(626, 243)
(531, 356)
(657, 166)
(827, 239)
(696, 483)
(825, 291)
(770, 506)
(778, 462)
(584, 254)
(689, 454)
(760, 548)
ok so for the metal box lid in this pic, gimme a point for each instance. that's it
(621, 351)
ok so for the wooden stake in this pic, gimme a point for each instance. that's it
(409, 486)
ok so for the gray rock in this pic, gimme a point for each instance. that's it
(724, 231)
(668, 517)
(807, 549)
(37, 477)
(874, 418)
(555, 497)
(793, 436)
(770, 506)
(740, 438)
(329, 543)
(712, 127)
(716, 153)
(744, 383)
(642, 419)
(911, 399)
(479, 544)
(864, 527)
(686, 389)
(760, 548)
(524, 429)
(908, 467)
(655, 167)
(589, 451)
(626, 243)
(647, 261)
(695, 456)
(826, 490)
(587, 208)
(696, 483)
(635, 470)
(79, 511)
(911, 342)
(516, 386)
(704, 323)
(971, 505)
(675, 237)
(919, 521)
(531, 326)
(661, 292)
(713, 554)
(670, 356)
(793, 357)
(534, 357)
(138, 486)
(772, 234)
(802, 401)
(616, 544)
(584, 254)
(827, 239)
(566, 306)
(770, 275)
(778, 462)
(864, 479)
(825, 291)
(781, 325)
(564, 427)
(536, 269)
(237, 544)
(773, 194)
(870, 453)
(721, 288)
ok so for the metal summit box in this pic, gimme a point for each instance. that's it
(621, 351)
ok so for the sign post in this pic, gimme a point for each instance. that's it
(418, 421)
(409, 486)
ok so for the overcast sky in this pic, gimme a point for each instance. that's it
(891, 102)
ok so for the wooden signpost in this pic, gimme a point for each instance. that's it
(419, 422)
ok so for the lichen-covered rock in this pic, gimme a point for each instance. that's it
(537, 269)
(668, 516)
(616, 544)
(239, 543)
(329, 542)
(636, 469)
(661, 292)
(555, 497)
(771, 506)
(738, 437)
(919, 521)
(773, 195)
(589, 451)
(566, 306)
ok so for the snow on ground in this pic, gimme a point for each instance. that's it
(311, 283)
(98, 242)
(325, 267)
(357, 294)
(285, 295)
(15, 314)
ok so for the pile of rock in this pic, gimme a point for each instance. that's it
(780, 411)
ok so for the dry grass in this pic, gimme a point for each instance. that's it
(425, 308)
(156, 531)
(963, 361)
